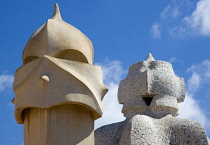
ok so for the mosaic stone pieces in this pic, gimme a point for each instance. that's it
(150, 95)
(109, 134)
(144, 130)
(151, 79)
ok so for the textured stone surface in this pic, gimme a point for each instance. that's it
(144, 130)
(155, 80)
(150, 95)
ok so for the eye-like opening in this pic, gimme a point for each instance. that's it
(29, 59)
(148, 99)
(71, 55)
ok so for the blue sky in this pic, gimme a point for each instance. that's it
(123, 32)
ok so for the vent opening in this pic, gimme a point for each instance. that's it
(29, 59)
(72, 55)
(147, 100)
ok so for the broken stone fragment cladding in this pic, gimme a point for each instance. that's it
(150, 95)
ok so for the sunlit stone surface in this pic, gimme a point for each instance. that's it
(58, 90)
(150, 95)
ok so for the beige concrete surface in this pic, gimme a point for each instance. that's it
(58, 92)
(69, 82)
(58, 39)
(60, 125)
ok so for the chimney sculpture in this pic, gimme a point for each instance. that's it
(150, 95)
(58, 90)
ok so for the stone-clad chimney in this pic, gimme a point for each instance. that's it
(150, 95)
